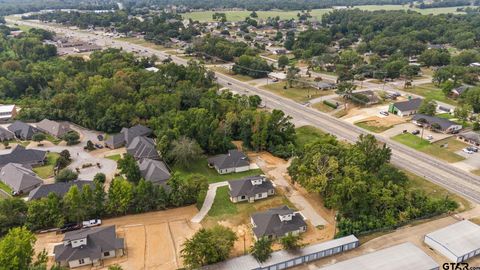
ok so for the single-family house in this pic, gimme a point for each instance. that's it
(250, 189)
(59, 189)
(22, 130)
(19, 154)
(458, 91)
(89, 246)
(470, 137)
(20, 178)
(234, 161)
(367, 97)
(143, 147)
(278, 222)
(126, 136)
(155, 171)
(7, 112)
(54, 128)
(324, 85)
(405, 108)
(6, 135)
(115, 141)
(436, 123)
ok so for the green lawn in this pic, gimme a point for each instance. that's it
(322, 107)
(114, 157)
(240, 77)
(307, 134)
(434, 149)
(143, 42)
(201, 167)
(222, 204)
(46, 171)
(295, 93)
(429, 90)
(205, 16)
(373, 128)
(52, 139)
(5, 188)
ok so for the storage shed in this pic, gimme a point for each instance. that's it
(457, 242)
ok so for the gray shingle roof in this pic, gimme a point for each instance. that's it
(22, 130)
(269, 223)
(23, 156)
(154, 170)
(442, 122)
(99, 240)
(143, 147)
(233, 159)
(59, 188)
(471, 135)
(135, 131)
(244, 187)
(19, 177)
(462, 89)
(409, 105)
(115, 141)
(57, 129)
(6, 134)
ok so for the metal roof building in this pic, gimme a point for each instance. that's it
(458, 242)
(405, 256)
(283, 259)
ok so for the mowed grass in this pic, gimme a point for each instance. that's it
(308, 134)
(239, 213)
(201, 167)
(5, 188)
(296, 93)
(370, 126)
(436, 191)
(240, 77)
(116, 157)
(322, 107)
(143, 42)
(434, 149)
(52, 139)
(430, 91)
(240, 15)
(46, 171)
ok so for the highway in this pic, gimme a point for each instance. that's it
(434, 170)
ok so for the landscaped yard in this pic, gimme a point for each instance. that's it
(296, 93)
(46, 171)
(434, 149)
(238, 213)
(52, 139)
(114, 157)
(201, 167)
(372, 126)
(429, 90)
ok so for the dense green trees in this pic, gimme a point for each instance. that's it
(210, 47)
(16, 249)
(262, 249)
(359, 182)
(128, 166)
(185, 151)
(208, 246)
(252, 66)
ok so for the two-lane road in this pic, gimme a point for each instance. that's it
(437, 171)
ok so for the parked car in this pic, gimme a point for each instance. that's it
(416, 132)
(69, 227)
(429, 137)
(384, 113)
(99, 146)
(92, 223)
(275, 80)
(466, 150)
(473, 149)
(100, 137)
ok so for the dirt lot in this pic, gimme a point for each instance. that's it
(153, 240)
(378, 121)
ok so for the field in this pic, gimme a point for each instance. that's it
(46, 171)
(307, 134)
(295, 93)
(201, 167)
(433, 149)
(205, 16)
(430, 91)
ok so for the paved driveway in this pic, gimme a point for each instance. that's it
(207, 204)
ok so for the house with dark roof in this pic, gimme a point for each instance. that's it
(458, 91)
(278, 222)
(143, 147)
(89, 246)
(60, 189)
(154, 171)
(470, 137)
(234, 161)
(405, 108)
(367, 97)
(126, 136)
(436, 123)
(19, 154)
(20, 178)
(22, 130)
(6, 135)
(250, 189)
(54, 128)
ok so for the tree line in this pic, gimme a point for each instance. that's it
(361, 184)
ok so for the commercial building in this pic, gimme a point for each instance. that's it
(458, 242)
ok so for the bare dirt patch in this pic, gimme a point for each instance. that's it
(384, 121)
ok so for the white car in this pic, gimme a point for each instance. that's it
(92, 223)
(429, 137)
(468, 151)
